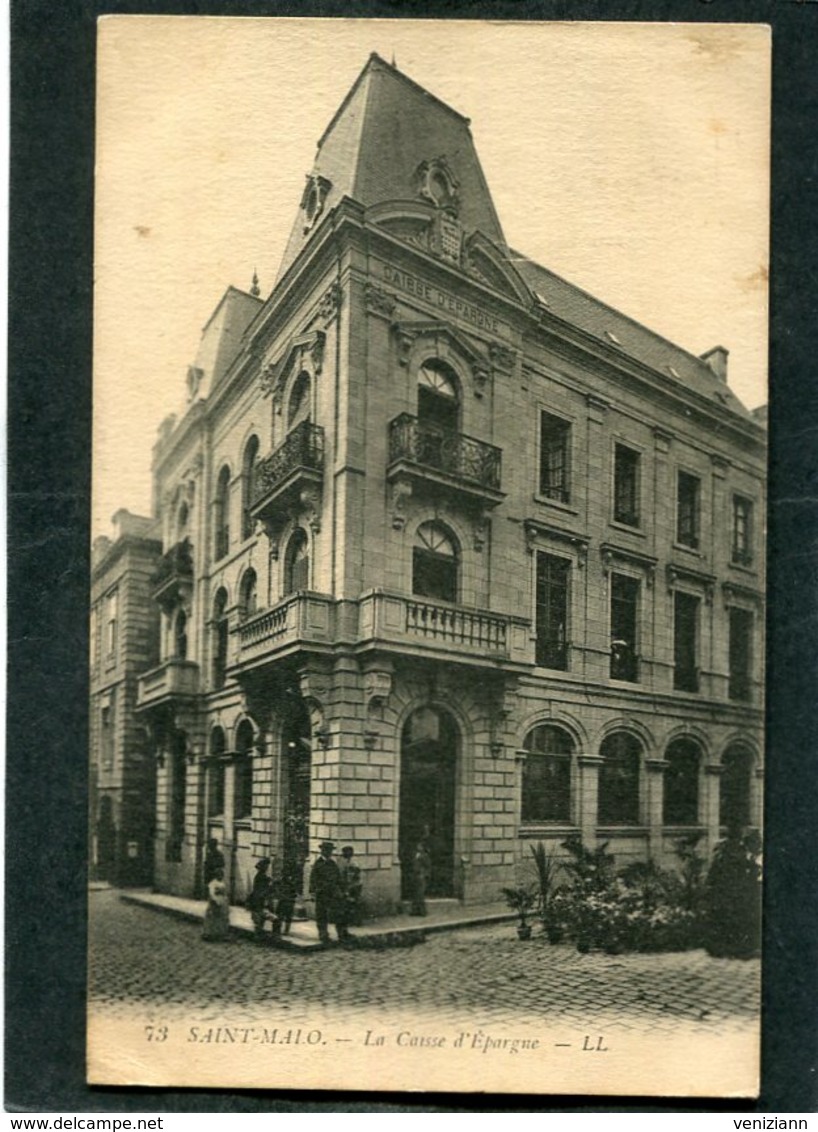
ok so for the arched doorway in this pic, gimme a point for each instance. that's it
(429, 747)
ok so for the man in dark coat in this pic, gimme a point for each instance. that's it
(260, 900)
(325, 884)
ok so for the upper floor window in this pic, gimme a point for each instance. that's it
(222, 515)
(552, 611)
(248, 485)
(618, 799)
(437, 396)
(626, 486)
(434, 563)
(555, 435)
(297, 563)
(180, 635)
(546, 794)
(106, 726)
(624, 627)
(685, 642)
(248, 601)
(681, 796)
(299, 407)
(687, 510)
(111, 624)
(182, 520)
(220, 638)
(740, 653)
(742, 533)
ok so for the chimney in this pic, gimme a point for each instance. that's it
(101, 546)
(717, 361)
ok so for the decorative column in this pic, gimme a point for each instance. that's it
(588, 801)
(655, 770)
(712, 796)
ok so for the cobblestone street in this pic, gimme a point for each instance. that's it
(141, 959)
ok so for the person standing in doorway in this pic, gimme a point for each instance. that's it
(351, 888)
(213, 860)
(260, 900)
(421, 873)
(325, 885)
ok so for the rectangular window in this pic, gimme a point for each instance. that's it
(554, 439)
(741, 638)
(626, 486)
(685, 642)
(742, 551)
(106, 739)
(93, 648)
(552, 611)
(687, 510)
(111, 624)
(624, 613)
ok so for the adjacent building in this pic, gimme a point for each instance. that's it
(124, 642)
(449, 547)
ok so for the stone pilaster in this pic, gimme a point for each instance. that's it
(588, 800)
(655, 780)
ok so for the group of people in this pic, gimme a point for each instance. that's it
(336, 886)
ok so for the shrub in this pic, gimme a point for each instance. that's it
(731, 900)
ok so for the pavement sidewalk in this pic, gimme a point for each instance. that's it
(387, 931)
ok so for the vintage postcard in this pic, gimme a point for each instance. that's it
(427, 600)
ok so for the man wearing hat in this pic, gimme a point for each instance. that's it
(325, 884)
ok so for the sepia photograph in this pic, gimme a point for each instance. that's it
(427, 599)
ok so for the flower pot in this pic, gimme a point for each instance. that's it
(524, 931)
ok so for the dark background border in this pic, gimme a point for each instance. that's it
(50, 266)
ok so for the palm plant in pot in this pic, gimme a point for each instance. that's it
(548, 869)
(521, 900)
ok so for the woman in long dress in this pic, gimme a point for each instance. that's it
(216, 926)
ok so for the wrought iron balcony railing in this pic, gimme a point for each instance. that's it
(441, 450)
(624, 662)
(176, 562)
(303, 450)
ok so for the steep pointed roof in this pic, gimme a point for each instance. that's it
(383, 131)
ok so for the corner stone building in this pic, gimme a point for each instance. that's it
(124, 637)
(447, 543)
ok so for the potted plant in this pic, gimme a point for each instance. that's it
(521, 900)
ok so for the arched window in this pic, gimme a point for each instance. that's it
(681, 802)
(220, 638)
(222, 515)
(437, 396)
(734, 794)
(215, 774)
(298, 409)
(618, 802)
(297, 563)
(248, 485)
(434, 563)
(243, 771)
(181, 522)
(180, 636)
(248, 600)
(547, 776)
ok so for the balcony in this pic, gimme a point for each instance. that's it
(624, 662)
(551, 652)
(302, 619)
(172, 581)
(174, 679)
(420, 626)
(431, 456)
(280, 479)
(685, 678)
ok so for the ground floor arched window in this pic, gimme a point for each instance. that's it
(618, 800)
(735, 792)
(681, 800)
(546, 788)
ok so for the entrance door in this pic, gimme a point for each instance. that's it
(427, 797)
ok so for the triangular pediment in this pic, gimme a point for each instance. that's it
(483, 259)
(432, 330)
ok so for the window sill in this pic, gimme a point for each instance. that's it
(558, 504)
(686, 548)
(632, 530)
(622, 831)
(540, 829)
(744, 568)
